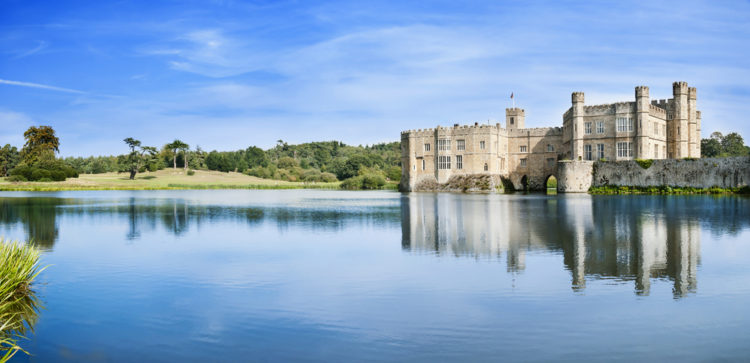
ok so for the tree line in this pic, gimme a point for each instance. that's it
(328, 161)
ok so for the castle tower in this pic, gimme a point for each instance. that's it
(694, 145)
(577, 99)
(642, 131)
(515, 118)
(680, 120)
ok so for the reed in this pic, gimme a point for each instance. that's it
(19, 306)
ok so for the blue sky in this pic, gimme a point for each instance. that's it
(226, 75)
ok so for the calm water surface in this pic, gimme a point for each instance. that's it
(380, 276)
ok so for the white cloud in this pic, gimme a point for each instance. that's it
(37, 85)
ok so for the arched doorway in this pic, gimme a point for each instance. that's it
(551, 184)
(525, 183)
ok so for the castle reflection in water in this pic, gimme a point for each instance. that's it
(600, 237)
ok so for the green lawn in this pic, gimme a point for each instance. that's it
(162, 179)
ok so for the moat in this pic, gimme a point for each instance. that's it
(381, 276)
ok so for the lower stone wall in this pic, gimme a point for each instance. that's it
(696, 173)
(578, 176)
(574, 176)
(481, 183)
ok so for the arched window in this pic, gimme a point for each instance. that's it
(511, 120)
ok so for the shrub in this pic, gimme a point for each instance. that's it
(394, 173)
(366, 181)
(37, 174)
(328, 177)
(644, 163)
(191, 172)
(16, 178)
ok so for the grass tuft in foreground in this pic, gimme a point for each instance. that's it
(19, 267)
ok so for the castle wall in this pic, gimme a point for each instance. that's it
(574, 176)
(699, 173)
(578, 176)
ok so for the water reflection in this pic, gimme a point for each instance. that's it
(39, 215)
(638, 238)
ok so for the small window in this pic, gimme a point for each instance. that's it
(444, 162)
(656, 151)
(424, 165)
(459, 162)
(511, 122)
(600, 151)
(600, 127)
(486, 167)
(523, 162)
(460, 145)
(550, 162)
(444, 144)
(550, 148)
(624, 124)
(587, 152)
(624, 149)
(481, 145)
(426, 147)
(656, 128)
(587, 128)
(523, 148)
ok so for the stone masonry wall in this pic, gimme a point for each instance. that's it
(578, 176)
(574, 176)
(698, 173)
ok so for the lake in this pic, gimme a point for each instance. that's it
(250, 275)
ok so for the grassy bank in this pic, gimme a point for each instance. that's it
(163, 179)
(666, 190)
(19, 266)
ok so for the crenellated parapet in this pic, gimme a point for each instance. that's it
(658, 112)
(535, 132)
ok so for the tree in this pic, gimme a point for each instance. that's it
(710, 148)
(719, 145)
(39, 141)
(175, 146)
(138, 157)
(9, 158)
(733, 145)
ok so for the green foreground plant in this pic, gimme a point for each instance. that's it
(19, 306)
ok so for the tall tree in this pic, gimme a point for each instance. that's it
(138, 157)
(40, 140)
(175, 146)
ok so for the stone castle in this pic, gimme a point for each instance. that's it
(527, 157)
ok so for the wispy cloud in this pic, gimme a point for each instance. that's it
(42, 86)
(41, 45)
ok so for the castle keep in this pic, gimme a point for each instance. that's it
(527, 157)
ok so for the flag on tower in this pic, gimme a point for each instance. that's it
(511, 95)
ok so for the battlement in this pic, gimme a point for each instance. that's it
(641, 91)
(692, 93)
(577, 97)
(679, 87)
(657, 111)
(535, 131)
(515, 110)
